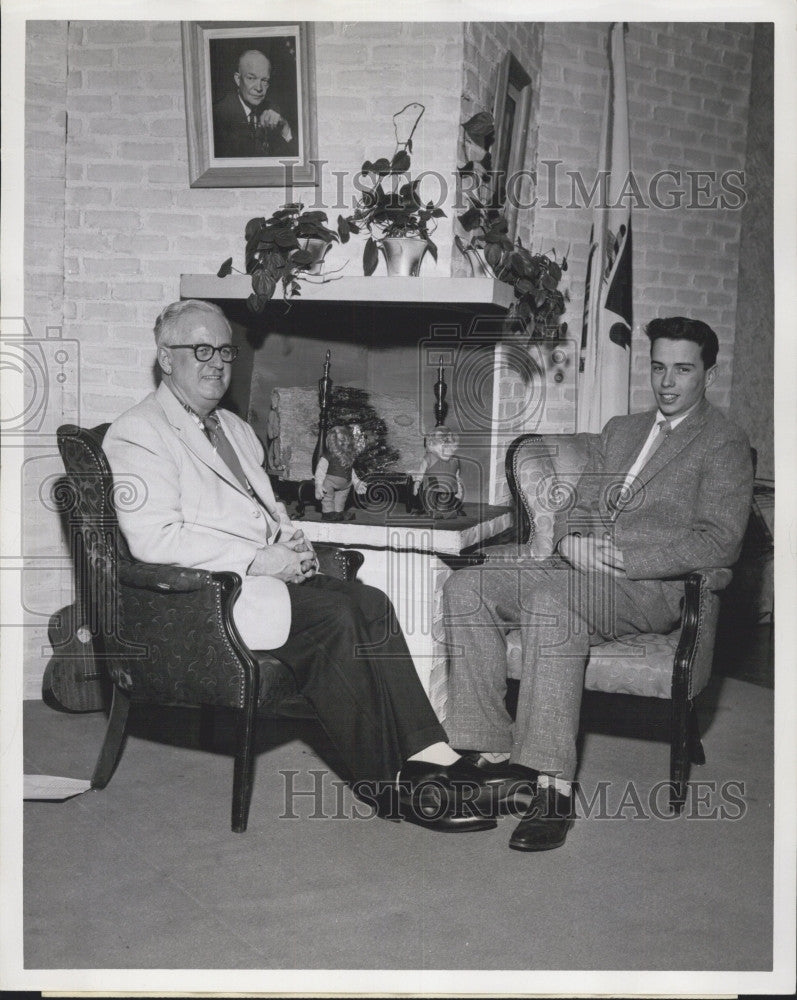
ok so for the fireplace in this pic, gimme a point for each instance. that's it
(389, 336)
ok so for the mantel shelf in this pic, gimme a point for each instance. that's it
(420, 291)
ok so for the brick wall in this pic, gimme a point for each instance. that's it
(45, 172)
(111, 222)
(688, 86)
(753, 391)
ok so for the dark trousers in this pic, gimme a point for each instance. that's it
(350, 659)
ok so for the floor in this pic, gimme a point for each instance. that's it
(146, 874)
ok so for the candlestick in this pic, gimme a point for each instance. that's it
(440, 389)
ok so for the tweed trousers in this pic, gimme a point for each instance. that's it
(560, 612)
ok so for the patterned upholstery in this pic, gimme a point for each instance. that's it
(543, 472)
(546, 471)
(637, 664)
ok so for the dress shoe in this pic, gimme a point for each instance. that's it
(512, 785)
(449, 797)
(545, 823)
(462, 784)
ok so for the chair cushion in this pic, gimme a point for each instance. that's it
(636, 664)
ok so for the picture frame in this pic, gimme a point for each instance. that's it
(276, 144)
(511, 113)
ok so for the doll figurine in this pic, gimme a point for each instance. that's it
(438, 482)
(335, 475)
(275, 465)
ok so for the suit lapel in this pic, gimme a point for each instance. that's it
(678, 439)
(192, 437)
(631, 444)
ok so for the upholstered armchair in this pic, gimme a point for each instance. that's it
(542, 471)
(164, 634)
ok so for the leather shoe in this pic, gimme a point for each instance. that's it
(444, 797)
(512, 785)
(449, 797)
(461, 783)
(546, 822)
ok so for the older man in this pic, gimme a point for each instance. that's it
(244, 122)
(666, 492)
(209, 505)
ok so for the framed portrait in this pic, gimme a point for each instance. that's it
(250, 103)
(511, 115)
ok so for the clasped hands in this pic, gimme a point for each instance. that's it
(588, 553)
(291, 558)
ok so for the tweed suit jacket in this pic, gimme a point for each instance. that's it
(193, 512)
(689, 505)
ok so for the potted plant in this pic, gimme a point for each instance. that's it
(538, 303)
(398, 223)
(289, 244)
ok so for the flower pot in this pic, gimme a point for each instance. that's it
(403, 255)
(479, 268)
(318, 248)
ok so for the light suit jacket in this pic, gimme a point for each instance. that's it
(193, 511)
(689, 505)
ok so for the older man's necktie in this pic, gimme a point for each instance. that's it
(224, 449)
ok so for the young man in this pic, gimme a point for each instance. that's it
(666, 492)
(209, 505)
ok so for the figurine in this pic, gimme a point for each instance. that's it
(335, 475)
(274, 459)
(438, 482)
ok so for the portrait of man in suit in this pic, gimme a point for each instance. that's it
(664, 492)
(247, 120)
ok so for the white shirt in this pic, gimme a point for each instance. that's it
(642, 457)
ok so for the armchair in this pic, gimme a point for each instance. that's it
(542, 471)
(165, 634)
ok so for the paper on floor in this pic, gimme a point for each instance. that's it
(52, 787)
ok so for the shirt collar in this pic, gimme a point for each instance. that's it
(674, 421)
(247, 110)
(200, 421)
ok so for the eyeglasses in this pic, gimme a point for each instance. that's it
(204, 352)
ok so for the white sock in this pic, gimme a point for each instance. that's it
(437, 753)
(561, 786)
(494, 758)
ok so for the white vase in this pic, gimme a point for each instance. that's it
(479, 268)
(403, 255)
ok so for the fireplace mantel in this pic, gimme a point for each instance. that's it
(468, 292)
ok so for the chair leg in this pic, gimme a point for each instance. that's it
(243, 773)
(114, 739)
(695, 745)
(679, 754)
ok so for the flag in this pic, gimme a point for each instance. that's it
(605, 362)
